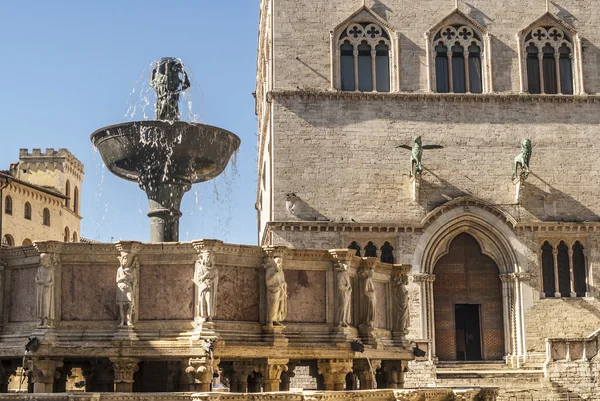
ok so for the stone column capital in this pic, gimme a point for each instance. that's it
(124, 369)
(271, 370)
(334, 372)
(43, 370)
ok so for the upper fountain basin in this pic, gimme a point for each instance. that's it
(178, 150)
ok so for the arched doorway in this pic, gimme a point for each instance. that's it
(468, 306)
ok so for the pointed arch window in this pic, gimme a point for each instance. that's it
(8, 205)
(46, 217)
(68, 194)
(364, 64)
(458, 52)
(27, 211)
(387, 253)
(549, 52)
(370, 250)
(76, 200)
(356, 247)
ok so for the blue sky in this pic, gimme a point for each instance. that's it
(69, 67)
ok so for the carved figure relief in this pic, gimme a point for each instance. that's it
(276, 291)
(371, 297)
(206, 278)
(402, 313)
(344, 286)
(44, 280)
(126, 288)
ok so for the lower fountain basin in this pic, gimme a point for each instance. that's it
(165, 151)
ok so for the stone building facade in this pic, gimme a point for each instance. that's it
(43, 199)
(504, 265)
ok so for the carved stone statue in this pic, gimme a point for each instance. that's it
(522, 160)
(402, 313)
(416, 155)
(371, 297)
(344, 286)
(126, 288)
(206, 278)
(44, 280)
(276, 291)
(168, 80)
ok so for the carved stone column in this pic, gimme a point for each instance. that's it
(425, 282)
(7, 368)
(394, 373)
(271, 370)
(286, 377)
(241, 370)
(43, 371)
(366, 372)
(199, 373)
(60, 378)
(124, 369)
(334, 372)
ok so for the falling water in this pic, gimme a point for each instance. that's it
(218, 205)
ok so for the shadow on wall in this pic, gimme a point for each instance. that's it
(504, 59)
(435, 191)
(591, 57)
(552, 204)
(381, 9)
(412, 79)
(478, 15)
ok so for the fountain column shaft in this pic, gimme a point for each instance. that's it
(165, 202)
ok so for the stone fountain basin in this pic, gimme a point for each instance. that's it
(176, 150)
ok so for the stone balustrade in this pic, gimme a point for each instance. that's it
(572, 349)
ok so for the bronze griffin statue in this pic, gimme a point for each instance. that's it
(416, 155)
(522, 160)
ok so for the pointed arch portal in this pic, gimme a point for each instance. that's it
(468, 266)
(467, 304)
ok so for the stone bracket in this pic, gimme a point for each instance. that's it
(415, 187)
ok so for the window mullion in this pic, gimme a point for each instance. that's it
(374, 68)
(541, 67)
(450, 80)
(467, 80)
(355, 53)
(556, 287)
(557, 64)
(571, 274)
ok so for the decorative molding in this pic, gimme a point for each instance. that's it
(312, 94)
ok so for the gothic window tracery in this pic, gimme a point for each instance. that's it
(549, 54)
(458, 53)
(563, 269)
(364, 58)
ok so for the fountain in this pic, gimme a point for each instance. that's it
(165, 156)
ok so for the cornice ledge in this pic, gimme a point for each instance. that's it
(272, 226)
(431, 96)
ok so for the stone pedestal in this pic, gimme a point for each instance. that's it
(198, 373)
(203, 330)
(45, 335)
(125, 333)
(43, 373)
(124, 369)
(415, 186)
(365, 370)
(273, 335)
(334, 372)
(369, 336)
(271, 370)
(519, 183)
